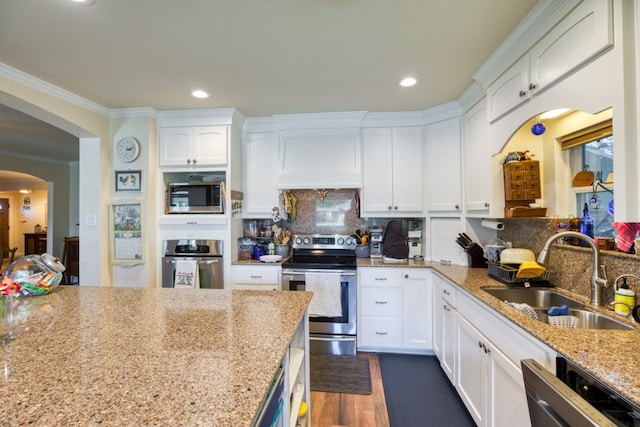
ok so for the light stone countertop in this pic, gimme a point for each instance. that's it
(137, 356)
(612, 356)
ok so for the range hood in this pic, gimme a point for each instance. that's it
(319, 158)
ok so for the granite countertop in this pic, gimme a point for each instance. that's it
(613, 356)
(258, 262)
(130, 356)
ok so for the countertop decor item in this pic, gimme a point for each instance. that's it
(32, 275)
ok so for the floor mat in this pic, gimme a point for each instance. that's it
(418, 393)
(340, 374)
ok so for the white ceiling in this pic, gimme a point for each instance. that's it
(261, 57)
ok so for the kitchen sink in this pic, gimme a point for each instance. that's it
(588, 320)
(542, 299)
(535, 297)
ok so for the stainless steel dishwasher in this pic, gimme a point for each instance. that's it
(573, 398)
(207, 254)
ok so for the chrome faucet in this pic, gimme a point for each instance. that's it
(598, 282)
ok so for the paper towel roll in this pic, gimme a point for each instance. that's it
(494, 225)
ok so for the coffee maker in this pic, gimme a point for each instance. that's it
(375, 247)
(414, 238)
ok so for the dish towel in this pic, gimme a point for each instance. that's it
(186, 274)
(626, 233)
(326, 301)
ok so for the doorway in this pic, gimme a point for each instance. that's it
(4, 223)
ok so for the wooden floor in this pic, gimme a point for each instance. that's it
(352, 410)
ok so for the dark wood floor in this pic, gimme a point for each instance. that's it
(352, 410)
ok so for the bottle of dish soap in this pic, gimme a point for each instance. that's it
(586, 224)
(625, 295)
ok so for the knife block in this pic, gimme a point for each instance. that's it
(477, 260)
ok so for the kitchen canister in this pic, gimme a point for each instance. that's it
(282, 250)
(362, 251)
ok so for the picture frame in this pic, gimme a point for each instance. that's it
(128, 180)
(127, 232)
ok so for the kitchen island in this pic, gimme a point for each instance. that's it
(130, 356)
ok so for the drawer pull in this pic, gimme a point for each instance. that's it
(446, 292)
(256, 277)
(381, 278)
(446, 307)
(382, 302)
(382, 333)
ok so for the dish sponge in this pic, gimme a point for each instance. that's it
(530, 270)
(563, 310)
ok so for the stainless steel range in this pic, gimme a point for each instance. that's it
(326, 265)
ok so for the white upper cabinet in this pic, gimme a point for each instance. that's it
(260, 159)
(580, 36)
(443, 166)
(392, 170)
(319, 158)
(477, 159)
(193, 146)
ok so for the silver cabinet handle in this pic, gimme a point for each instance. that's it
(382, 302)
(382, 333)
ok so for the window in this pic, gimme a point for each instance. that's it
(592, 148)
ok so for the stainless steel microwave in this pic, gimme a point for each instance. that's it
(195, 197)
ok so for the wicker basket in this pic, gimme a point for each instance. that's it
(508, 275)
(564, 321)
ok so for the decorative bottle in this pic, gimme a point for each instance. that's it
(586, 224)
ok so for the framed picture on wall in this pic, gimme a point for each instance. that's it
(127, 244)
(128, 180)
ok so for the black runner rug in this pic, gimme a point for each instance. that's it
(418, 393)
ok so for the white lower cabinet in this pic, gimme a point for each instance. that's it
(257, 278)
(393, 309)
(444, 316)
(488, 374)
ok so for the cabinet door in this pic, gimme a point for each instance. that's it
(209, 146)
(407, 169)
(580, 36)
(416, 292)
(437, 310)
(442, 244)
(506, 385)
(448, 343)
(174, 147)
(377, 192)
(509, 90)
(471, 370)
(478, 161)
(260, 151)
(444, 182)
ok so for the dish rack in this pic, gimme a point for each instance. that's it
(507, 275)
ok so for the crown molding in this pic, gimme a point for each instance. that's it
(27, 80)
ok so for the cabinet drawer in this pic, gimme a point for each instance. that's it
(381, 302)
(517, 176)
(373, 277)
(519, 195)
(448, 292)
(256, 275)
(518, 185)
(532, 176)
(532, 194)
(532, 166)
(380, 332)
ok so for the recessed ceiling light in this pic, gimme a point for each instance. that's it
(83, 2)
(200, 94)
(408, 82)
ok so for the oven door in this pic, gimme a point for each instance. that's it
(333, 335)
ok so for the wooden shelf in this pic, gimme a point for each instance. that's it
(525, 212)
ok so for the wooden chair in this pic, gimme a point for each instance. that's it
(71, 261)
(6, 254)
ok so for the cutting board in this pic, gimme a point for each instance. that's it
(583, 179)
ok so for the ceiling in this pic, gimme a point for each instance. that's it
(261, 57)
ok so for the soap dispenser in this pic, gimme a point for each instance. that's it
(624, 295)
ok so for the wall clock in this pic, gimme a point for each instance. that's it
(128, 149)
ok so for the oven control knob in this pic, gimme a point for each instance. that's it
(298, 240)
(306, 240)
(340, 241)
